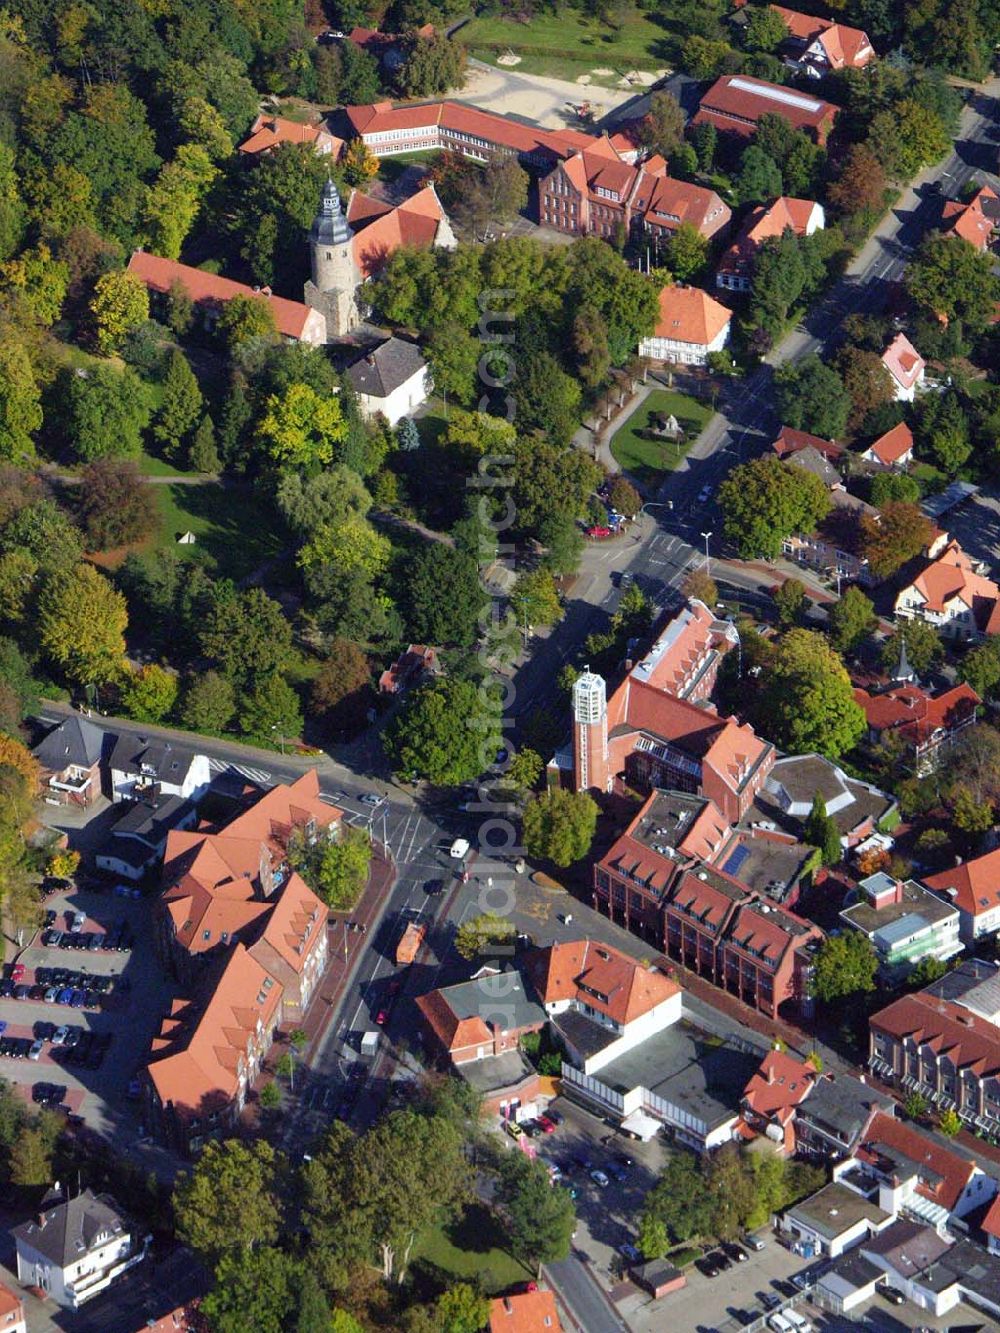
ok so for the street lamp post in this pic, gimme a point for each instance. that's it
(708, 564)
(281, 739)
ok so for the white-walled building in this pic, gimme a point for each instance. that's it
(392, 378)
(141, 765)
(906, 367)
(76, 1248)
(691, 324)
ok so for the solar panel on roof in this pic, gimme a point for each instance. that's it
(776, 94)
(736, 860)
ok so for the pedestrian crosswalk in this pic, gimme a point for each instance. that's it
(259, 775)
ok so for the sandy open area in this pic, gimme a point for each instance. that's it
(546, 101)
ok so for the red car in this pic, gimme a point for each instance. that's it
(549, 1126)
(598, 530)
(17, 972)
(381, 1018)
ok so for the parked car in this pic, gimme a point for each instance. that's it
(531, 1128)
(598, 530)
(546, 1124)
(60, 1035)
(35, 1051)
(753, 1243)
(629, 1252)
(554, 1116)
(513, 1129)
(599, 1178)
(707, 1267)
(617, 1172)
(736, 1252)
(893, 1295)
(3, 1026)
(721, 1260)
(769, 1299)
(66, 995)
(433, 887)
(22, 992)
(17, 971)
(371, 798)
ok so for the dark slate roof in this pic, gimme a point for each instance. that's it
(152, 820)
(139, 754)
(330, 227)
(843, 1104)
(383, 370)
(71, 1229)
(75, 741)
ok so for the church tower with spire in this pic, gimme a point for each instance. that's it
(335, 273)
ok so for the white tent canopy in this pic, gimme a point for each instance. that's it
(641, 1124)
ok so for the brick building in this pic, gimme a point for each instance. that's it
(802, 217)
(735, 103)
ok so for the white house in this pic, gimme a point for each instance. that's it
(75, 1248)
(905, 366)
(141, 767)
(691, 324)
(974, 889)
(894, 449)
(834, 1219)
(392, 379)
(952, 593)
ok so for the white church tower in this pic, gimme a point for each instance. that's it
(590, 733)
(335, 273)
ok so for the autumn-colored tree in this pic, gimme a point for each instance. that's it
(117, 504)
(359, 163)
(17, 756)
(81, 625)
(120, 303)
(341, 690)
(900, 532)
(150, 693)
(859, 185)
(866, 380)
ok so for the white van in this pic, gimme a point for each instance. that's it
(459, 849)
(780, 1324)
(798, 1321)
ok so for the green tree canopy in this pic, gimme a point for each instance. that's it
(81, 625)
(443, 596)
(20, 403)
(181, 406)
(301, 429)
(844, 965)
(150, 693)
(107, 410)
(120, 304)
(766, 500)
(953, 279)
(809, 704)
(559, 825)
(448, 732)
(851, 619)
(229, 1203)
(271, 711)
(538, 1216)
(811, 396)
(821, 832)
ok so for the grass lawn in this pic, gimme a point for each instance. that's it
(391, 168)
(574, 36)
(152, 466)
(235, 531)
(470, 1249)
(648, 459)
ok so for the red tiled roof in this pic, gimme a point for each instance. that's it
(381, 229)
(886, 1132)
(969, 1041)
(781, 1082)
(268, 132)
(991, 1222)
(893, 445)
(10, 1302)
(791, 441)
(735, 102)
(674, 202)
(903, 362)
(914, 713)
(768, 930)
(690, 315)
(844, 46)
(452, 1032)
(598, 975)
(159, 274)
(975, 221)
(950, 576)
(527, 1312)
(383, 117)
(712, 899)
(763, 223)
(197, 1060)
(976, 883)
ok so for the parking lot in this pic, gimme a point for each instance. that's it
(79, 1003)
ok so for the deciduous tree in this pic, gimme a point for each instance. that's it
(180, 408)
(341, 690)
(20, 403)
(809, 705)
(229, 1202)
(900, 532)
(844, 965)
(300, 428)
(246, 319)
(271, 711)
(765, 500)
(81, 625)
(150, 693)
(443, 595)
(662, 128)
(120, 304)
(955, 280)
(117, 504)
(559, 825)
(209, 702)
(859, 184)
(811, 396)
(107, 410)
(448, 733)
(538, 1216)
(337, 871)
(851, 619)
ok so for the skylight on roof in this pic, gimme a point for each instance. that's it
(775, 94)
